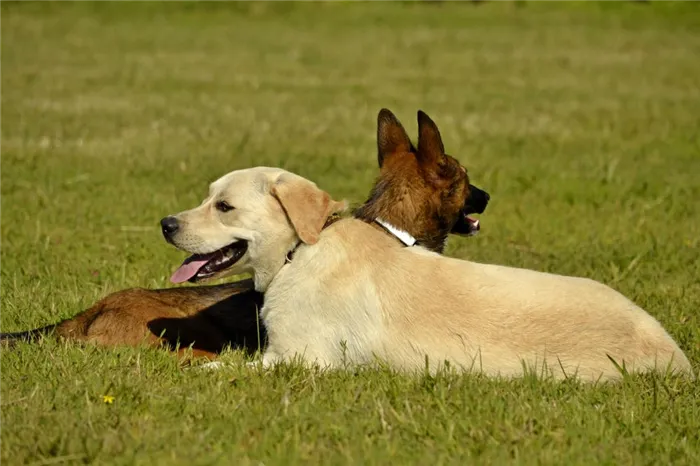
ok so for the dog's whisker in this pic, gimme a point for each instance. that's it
(136, 228)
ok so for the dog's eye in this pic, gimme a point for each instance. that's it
(223, 206)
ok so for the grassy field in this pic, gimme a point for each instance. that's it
(582, 121)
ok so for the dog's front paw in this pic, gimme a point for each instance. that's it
(260, 364)
(212, 366)
(253, 364)
(269, 359)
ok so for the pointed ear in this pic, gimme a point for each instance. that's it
(391, 137)
(306, 206)
(430, 148)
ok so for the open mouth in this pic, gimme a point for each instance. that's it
(200, 266)
(476, 204)
(473, 225)
(466, 225)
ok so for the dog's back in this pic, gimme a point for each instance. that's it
(496, 318)
(371, 297)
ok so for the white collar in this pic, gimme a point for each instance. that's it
(403, 236)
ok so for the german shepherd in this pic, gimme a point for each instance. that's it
(207, 319)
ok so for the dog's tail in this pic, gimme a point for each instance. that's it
(11, 338)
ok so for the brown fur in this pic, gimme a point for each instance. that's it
(210, 318)
(204, 318)
(414, 192)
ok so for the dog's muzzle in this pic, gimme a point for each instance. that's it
(476, 204)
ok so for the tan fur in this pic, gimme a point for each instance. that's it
(357, 295)
(256, 209)
(306, 206)
(410, 303)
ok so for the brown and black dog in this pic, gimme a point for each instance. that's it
(207, 319)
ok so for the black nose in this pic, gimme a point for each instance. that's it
(169, 226)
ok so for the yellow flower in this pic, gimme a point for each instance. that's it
(108, 399)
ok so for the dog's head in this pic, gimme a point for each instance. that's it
(422, 190)
(253, 216)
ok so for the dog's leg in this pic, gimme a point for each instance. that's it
(213, 365)
(270, 358)
(190, 354)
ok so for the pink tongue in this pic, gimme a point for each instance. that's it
(187, 270)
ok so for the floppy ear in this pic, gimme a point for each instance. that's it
(391, 137)
(430, 148)
(306, 206)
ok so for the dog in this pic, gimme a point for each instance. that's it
(207, 319)
(348, 293)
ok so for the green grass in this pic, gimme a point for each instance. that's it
(581, 120)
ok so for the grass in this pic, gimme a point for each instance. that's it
(581, 120)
